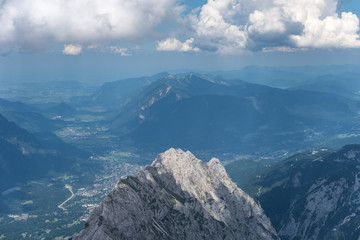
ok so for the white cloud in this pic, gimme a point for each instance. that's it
(114, 49)
(121, 51)
(72, 49)
(173, 44)
(323, 27)
(31, 24)
(230, 26)
(223, 26)
(215, 29)
(94, 46)
(332, 31)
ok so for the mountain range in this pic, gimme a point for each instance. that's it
(26, 155)
(30, 118)
(346, 85)
(310, 195)
(232, 115)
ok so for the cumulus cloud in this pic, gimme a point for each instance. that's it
(72, 49)
(215, 29)
(173, 44)
(223, 26)
(332, 31)
(31, 24)
(230, 26)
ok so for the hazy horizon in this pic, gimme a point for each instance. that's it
(101, 42)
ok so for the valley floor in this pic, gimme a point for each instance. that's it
(37, 210)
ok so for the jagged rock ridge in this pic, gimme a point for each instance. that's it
(178, 197)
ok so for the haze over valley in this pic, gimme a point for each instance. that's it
(87, 142)
(177, 119)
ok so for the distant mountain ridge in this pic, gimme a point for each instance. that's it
(62, 109)
(182, 87)
(178, 197)
(286, 77)
(27, 117)
(25, 156)
(347, 85)
(21, 155)
(114, 95)
(180, 110)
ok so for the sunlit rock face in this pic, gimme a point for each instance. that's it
(178, 197)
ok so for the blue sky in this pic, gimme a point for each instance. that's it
(351, 6)
(104, 41)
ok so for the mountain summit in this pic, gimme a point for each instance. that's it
(178, 197)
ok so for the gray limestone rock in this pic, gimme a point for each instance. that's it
(178, 197)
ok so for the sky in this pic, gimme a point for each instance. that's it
(94, 40)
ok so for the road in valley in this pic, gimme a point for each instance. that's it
(69, 198)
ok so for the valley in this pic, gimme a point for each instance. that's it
(178, 119)
(61, 206)
(77, 146)
(58, 205)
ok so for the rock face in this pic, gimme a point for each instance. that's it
(178, 197)
(316, 195)
(329, 209)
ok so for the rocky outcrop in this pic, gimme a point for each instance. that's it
(178, 197)
(329, 209)
(315, 195)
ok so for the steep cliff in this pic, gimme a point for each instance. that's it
(178, 197)
(314, 195)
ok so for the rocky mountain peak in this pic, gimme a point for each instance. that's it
(178, 197)
(182, 166)
(185, 165)
(191, 174)
(174, 159)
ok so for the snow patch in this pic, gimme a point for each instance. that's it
(168, 89)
